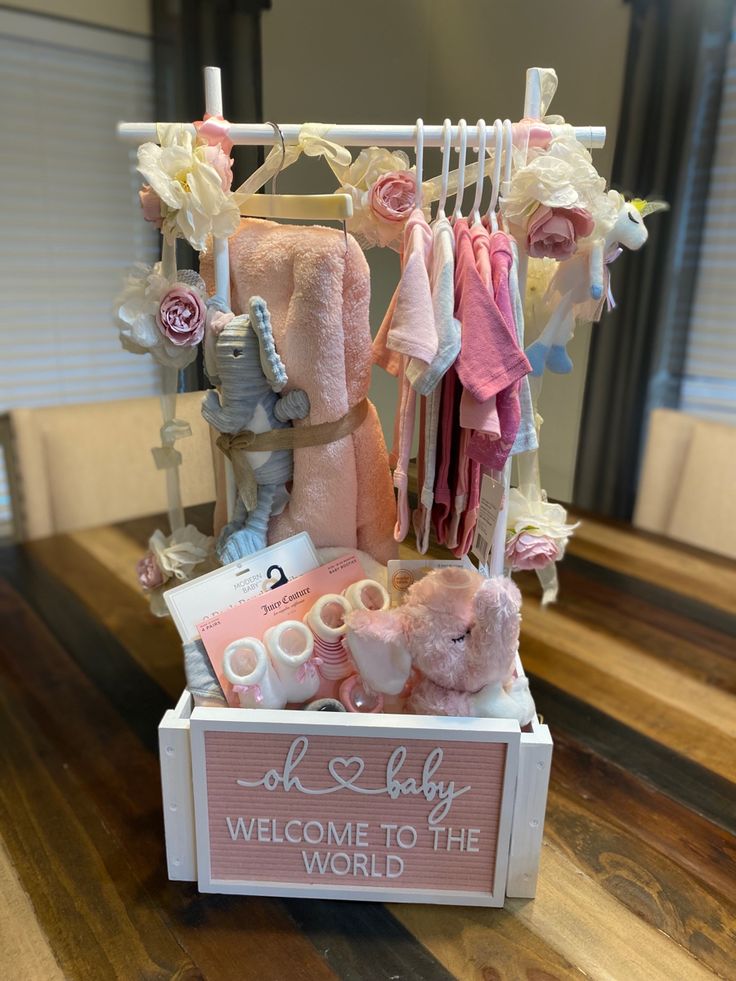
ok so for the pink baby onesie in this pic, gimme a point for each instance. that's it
(495, 454)
(428, 381)
(447, 452)
(410, 332)
(490, 359)
(482, 416)
(490, 446)
(471, 308)
(484, 448)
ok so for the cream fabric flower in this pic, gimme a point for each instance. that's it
(136, 310)
(172, 560)
(367, 224)
(191, 190)
(372, 163)
(562, 176)
(177, 555)
(538, 518)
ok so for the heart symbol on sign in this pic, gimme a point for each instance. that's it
(354, 763)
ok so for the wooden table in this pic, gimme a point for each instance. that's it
(634, 669)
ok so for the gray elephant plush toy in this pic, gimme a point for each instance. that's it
(250, 375)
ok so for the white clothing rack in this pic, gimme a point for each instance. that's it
(264, 134)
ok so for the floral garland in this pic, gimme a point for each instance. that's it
(187, 194)
(163, 311)
(555, 199)
(537, 532)
(170, 561)
(382, 186)
(160, 316)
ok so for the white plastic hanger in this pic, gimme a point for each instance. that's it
(446, 151)
(303, 207)
(496, 178)
(419, 154)
(508, 158)
(475, 218)
(462, 150)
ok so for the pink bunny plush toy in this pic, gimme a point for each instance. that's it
(460, 632)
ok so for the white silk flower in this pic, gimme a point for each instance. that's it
(191, 190)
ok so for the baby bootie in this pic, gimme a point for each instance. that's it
(290, 645)
(247, 667)
(367, 594)
(537, 356)
(558, 360)
(357, 698)
(326, 620)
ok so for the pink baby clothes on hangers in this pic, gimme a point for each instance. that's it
(428, 381)
(412, 331)
(493, 452)
(466, 478)
(471, 307)
(409, 331)
(447, 452)
(489, 359)
(482, 416)
(469, 518)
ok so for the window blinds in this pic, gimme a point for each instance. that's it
(71, 221)
(709, 380)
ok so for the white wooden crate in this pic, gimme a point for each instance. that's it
(203, 752)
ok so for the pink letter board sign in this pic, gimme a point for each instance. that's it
(395, 808)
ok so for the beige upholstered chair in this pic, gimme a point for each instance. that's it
(83, 465)
(687, 488)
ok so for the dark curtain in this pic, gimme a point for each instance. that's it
(189, 34)
(674, 75)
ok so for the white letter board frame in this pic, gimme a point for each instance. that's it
(400, 727)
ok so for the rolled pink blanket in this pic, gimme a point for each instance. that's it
(318, 292)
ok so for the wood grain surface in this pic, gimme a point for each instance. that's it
(634, 670)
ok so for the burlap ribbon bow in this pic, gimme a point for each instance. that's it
(236, 446)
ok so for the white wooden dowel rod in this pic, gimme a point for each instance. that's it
(261, 134)
(213, 91)
(533, 94)
(213, 107)
(498, 545)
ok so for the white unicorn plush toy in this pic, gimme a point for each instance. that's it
(582, 284)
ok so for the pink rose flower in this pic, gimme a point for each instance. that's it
(151, 204)
(181, 316)
(149, 572)
(223, 164)
(392, 196)
(553, 233)
(526, 551)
